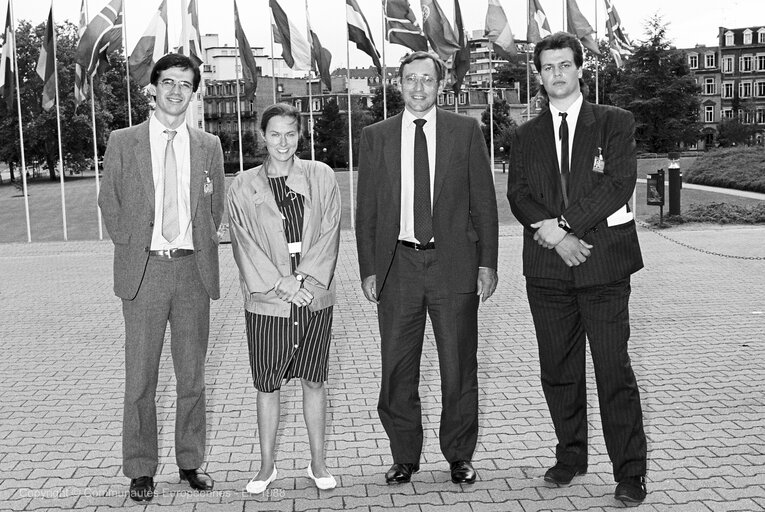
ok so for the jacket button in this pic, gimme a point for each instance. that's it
(151, 224)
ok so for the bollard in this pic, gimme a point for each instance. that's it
(675, 183)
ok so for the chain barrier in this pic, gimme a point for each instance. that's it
(704, 251)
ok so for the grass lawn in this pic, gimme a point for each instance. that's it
(82, 223)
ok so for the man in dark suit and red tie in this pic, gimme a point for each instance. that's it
(572, 173)
(427, 235)
(162, 202)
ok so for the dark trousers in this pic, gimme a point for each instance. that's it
(170, 291)
(564, 317)
(414, 290)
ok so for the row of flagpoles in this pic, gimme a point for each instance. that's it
(105, 33)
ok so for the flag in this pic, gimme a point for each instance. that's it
(320, 56)
(461, 59)
(249, 68)
(102, 36)
(152, 46)
(618, 40)
(7, 75)
(401, 26)
(438, 30)
(580, 27)
(538, 28)
(46, 66)
(498, 31)
(192, 46)
(80, 81)
(295, 49)
(359, 33)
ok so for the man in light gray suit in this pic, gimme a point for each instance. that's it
(162, 202)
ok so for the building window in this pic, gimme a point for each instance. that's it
(745, 89)
(747, 116)
(709, 114)
(729, 38)
(745, 63)
(760, 62)
(747, 36)
(759, 117)
(316, 105)
(450, 99)
(759, 89)
(727, 90)
(761, 35)
(441, 99)
(727, 65)
(710, 87)
(693, 61)
(463, 98)
(710, 60)
(726, 113)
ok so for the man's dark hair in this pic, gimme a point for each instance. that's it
(559, 41)
(279, 109)
(175, 60)
(411, 57)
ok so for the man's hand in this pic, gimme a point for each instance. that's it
(548, 234)
(369, 287)
(487, 282)
(572, 250)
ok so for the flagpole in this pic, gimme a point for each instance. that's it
(273, 66)
(21, 130)
(239, 110)
(384, 65)
(127, 64)
(491, 109)
(597, 59)
(58, 128)
(350, 138)
(310, 85)
(528, 84)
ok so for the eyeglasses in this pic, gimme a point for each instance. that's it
(426, 80)
(168, 84)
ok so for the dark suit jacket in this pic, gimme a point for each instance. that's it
(127, 204)
(464, 204)
(534, 191)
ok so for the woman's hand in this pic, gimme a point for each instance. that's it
(302, 298)
(289, 289)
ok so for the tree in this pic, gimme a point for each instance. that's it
(604, 69)
(360, 118)
(657, 87)
(507, 75)
(732, 132)
(330, 130)
(394, 101)
(249, 143)
(504, 126)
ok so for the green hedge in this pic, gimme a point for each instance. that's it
(741, 168)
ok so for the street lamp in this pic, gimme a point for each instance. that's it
(502, 151)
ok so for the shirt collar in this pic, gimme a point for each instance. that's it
(572, 111)
(156, 127)
(409, 118)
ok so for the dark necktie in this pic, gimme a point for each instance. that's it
(170, 225)
(564, 173)
(423, 219)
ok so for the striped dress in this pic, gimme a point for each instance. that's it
(298, 346)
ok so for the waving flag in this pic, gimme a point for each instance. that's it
(249, 68)
(7, 75)
(579, 26)
(438, 30)
(359, 33)
(151, 47)
(498, 31)
(320, 56)
(538, 28)
(102, 36)
(461, 59)
(46, 65)
(401, 26)
(80, 80)
(191, 42)
(295, 49)
(620, 44)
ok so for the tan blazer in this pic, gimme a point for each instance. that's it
(260, 245)
(127, 205)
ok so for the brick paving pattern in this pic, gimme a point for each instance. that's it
(697, 348)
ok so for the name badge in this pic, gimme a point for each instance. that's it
(208, 186)
(599, 164)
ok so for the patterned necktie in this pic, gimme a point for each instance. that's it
(170, 224)
(423, 219)
(564, 172)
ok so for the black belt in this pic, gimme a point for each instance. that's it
(170, 254)
(418, 247)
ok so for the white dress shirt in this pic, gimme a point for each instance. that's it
(407, 168)
(571, 119)
(181, 147)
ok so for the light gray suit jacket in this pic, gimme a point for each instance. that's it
(127, 205)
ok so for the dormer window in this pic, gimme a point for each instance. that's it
(729, 38)
(747, 36)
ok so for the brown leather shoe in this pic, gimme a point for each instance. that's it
(462, 472)
(561, 474)
(401, 473)
(197, 479)
(631, 490)
(142, 488)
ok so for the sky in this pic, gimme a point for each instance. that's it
(690, 22)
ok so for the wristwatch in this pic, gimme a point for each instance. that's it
(564, 225)
(299, 277)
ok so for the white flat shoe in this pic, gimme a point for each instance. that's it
(324, 483)
(258, 486)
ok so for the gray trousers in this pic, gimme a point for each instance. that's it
(172, 291)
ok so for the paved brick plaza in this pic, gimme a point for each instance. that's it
(698, 349)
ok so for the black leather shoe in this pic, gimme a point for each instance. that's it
(462, 472)
(631, 490)
(562, 474)
(197, 479)
(401, 473)
(142, 489)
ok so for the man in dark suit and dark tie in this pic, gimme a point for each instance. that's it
(572, 173)
(162, 202)
(426, 229)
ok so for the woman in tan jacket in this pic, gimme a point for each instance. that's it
(285, 232)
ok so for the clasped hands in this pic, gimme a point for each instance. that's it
(289, 289)
(572, 250)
